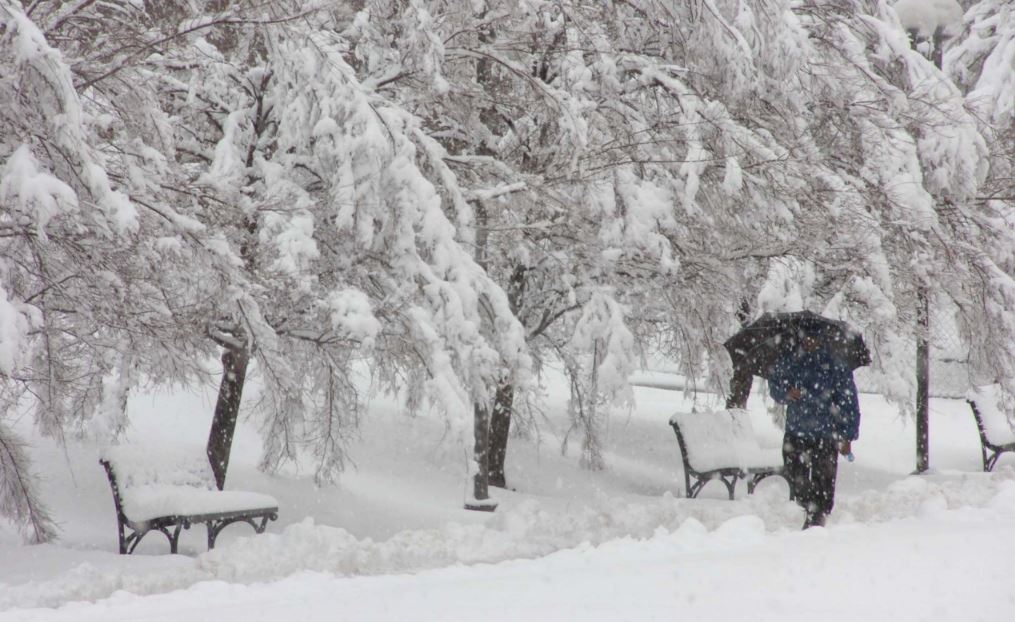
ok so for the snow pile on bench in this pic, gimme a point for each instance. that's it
(723, 439)
(993, 407)
(156, 483)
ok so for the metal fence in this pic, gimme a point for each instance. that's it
(949, 355)
(949, 374)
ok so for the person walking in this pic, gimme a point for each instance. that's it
(822, 421)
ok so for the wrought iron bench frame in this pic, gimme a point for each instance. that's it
(995, 450)
(729, 476)
(215, 522)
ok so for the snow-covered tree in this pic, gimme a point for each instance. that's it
(980, 62)
(83, 301)
(677, 157)
(580, 148)
(329, 201)
(434, 189)
(217, 176)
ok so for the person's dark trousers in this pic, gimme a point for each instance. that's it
(810, 467)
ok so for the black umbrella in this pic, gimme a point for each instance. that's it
(759, 345)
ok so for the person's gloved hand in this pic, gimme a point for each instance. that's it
(846, 448)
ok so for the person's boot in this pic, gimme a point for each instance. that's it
(815, 519)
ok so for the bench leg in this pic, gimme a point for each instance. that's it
(990, 462)
(996, 452)
(121, 538)
(174, 538)
(216, 527)
(731, 484)
(729, 481)
(753, 482)
(695, 488)
(129, 542)
(132, 540)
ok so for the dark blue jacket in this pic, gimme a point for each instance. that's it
(828, 406)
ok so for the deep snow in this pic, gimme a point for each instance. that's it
(566, 542)
(926, 568)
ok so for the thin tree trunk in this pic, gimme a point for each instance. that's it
(481, 497)
(743, 379)
(227, 409)
(922, 383)
(480, 483)
(923, 324)
(503, 401)
(500, 427)
(740, 388)
(923, 333)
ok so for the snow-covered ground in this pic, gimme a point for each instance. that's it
(391, 540)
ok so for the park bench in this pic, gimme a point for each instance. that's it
(996, 433)
(169, 491)
(722, 445)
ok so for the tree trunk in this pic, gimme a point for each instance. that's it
(227, 409)
(740, 388)
(481, 500)
(503, 401)
(743, 379)
(923, 323)
(500, 427)
(922, 383)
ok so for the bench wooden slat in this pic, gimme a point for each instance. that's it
(204, 518)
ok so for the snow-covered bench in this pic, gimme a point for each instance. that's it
(161, 490)
(996, 433)
(722, 445)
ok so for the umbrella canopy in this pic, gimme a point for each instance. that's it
(757, 346)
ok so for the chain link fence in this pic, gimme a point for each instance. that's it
(949, 355)
(949, 372)
(950, 376)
